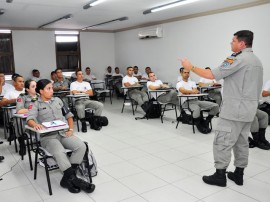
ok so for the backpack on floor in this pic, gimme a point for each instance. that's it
(95, 122)
(103, 120)
(185, 118)
(84, 169)
(152, 109)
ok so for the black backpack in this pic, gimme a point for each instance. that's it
(96, 122)
(185, 118)
(152, 109)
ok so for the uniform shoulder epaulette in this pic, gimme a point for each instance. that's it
(34, 99)
(235, 54)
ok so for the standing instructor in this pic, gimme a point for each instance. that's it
(243, 75)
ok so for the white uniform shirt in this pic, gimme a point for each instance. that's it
(129, 79)
(80, 86)
(266, 87)
(89, 77)
(6, 88)
(189, 85)
(145, 76)
(204, 80)
(138, 74)
(155, 83)
(13, 94)
(114, 74)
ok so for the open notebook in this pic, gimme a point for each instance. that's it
(51, 124)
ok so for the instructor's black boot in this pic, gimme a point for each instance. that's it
(251, 142)
(262, 137)
(258, 143)
(218, 178)
(201, 126)
(84, 127)
(67, 179)
(237, 175)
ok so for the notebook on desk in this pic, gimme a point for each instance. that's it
(52, 124)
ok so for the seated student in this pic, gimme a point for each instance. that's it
(25, 103)
(10, 99)
(73, 75)
(215, 94)
(48, 108)
(11, 96)
(61, 83)
(35, 75)
(4, 86)
(179, 78)
(187, 86)
(53, 76)
(117, 81)
(80, 86)
(88, 76)
(136, 73)
(266, 95)
(145, 75)
(108, 72)
(25, 100)
(164, 97)
(137, 95)
(257, 129)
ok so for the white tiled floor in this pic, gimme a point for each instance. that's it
(141, 161)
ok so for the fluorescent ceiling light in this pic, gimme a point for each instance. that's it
(66, 32)
(103, 23)
(92, 3)
(5, 31)
(169, 5)
(61, 39)
(62, 18)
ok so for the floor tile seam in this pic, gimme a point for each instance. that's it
(242, 193)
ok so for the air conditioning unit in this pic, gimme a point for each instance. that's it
(150, 33)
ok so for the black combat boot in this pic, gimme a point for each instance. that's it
(258, 142)
(67, 179)
(22, 150)
(2, 158)
(237, 176)
(251, 142)
(84, 127)
(201, 126)
(218, 178)
(262, 137)
(78, 182)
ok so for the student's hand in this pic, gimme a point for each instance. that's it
(195, 91)
(69, 133)
(38, 127)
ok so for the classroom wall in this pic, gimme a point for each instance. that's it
(36, 50)
(204, 40)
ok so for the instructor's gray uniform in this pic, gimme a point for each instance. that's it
(243, 75)
(260, 121)
(56, 142)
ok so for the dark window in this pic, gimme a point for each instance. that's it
(6, 54)
(68, 55)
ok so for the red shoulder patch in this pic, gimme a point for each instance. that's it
(19, 99)
(30, 107)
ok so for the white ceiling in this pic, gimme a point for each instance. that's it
(33, 13)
